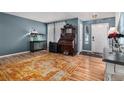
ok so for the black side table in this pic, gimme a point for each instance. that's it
(53, 47)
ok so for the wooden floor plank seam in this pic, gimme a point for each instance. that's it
(84, 67)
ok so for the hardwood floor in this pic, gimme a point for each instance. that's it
(90, 69)
(81, 67)
(20, 57)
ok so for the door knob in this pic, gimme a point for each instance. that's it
(93, 38)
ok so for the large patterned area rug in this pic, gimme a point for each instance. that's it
(47, 66)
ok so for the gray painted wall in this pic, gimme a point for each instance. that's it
(121, 27)
(121, 23)
(13, 33)
(74, 22)
(110, 20)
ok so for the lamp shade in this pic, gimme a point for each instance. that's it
(113, 30)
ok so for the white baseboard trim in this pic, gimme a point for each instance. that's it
(87, 50)
(14, 54)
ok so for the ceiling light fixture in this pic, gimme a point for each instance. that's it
(94, 15)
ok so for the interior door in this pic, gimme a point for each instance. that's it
(99, 37)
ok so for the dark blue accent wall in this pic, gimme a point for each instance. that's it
(14, 33)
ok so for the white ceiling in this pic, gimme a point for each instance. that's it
(55, 16)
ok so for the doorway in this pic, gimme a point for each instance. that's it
(99, 37)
